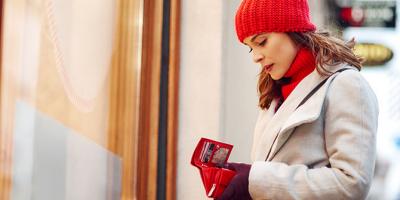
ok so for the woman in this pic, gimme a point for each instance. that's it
(316, 131)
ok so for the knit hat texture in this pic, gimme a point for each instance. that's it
(261, 16)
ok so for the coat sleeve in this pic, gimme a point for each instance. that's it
(351, 118)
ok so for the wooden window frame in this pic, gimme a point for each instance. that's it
(135, 111)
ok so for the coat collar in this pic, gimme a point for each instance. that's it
(279, 126)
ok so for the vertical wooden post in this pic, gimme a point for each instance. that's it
(173, 96)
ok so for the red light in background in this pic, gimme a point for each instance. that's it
(353, 16)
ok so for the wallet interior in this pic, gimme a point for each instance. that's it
(209, 157)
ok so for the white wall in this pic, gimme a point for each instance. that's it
(200, 87)
(239, 100)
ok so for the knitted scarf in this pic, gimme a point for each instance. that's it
(303, 65)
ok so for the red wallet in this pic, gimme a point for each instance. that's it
(209, 157)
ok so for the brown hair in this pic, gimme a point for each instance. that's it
(328, 51)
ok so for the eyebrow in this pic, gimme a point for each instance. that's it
(255, 37)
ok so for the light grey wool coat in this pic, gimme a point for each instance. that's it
(325, 149)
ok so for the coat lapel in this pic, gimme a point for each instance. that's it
(308, 112)
(275, 123)
(270, 131)
(274, 129)
(264, 118)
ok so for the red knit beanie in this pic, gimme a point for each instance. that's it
(261, 16)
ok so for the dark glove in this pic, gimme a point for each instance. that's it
(238, 188)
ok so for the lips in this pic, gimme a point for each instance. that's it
(267, 68)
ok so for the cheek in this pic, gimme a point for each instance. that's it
(288, 53)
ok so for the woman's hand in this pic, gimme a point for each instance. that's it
(238, 188)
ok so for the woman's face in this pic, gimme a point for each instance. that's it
(275, 52)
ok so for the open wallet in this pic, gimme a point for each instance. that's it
(209, 157)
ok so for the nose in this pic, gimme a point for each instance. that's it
(257, 57)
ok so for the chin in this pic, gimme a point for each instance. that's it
(275, 77)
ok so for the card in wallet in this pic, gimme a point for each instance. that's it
(209, 157)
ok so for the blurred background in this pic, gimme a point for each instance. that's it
(107, 99)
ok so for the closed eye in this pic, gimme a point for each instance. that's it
(262, 43)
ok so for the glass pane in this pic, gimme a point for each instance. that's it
(51, 161)
(55, 95)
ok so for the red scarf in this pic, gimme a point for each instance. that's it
(303, 65)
